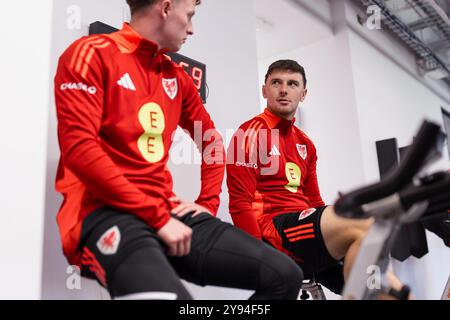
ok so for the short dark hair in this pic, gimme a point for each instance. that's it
(287, 64)
(136, 5)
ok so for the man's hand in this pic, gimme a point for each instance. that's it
(177, 237)
(185, 207)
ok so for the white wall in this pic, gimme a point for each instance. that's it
(66, 14)
(363, 87)
(225, 40)
(393, 104)
(393, 99)
(328, 115)
(24, 62)
(277, 21)
(229, 51)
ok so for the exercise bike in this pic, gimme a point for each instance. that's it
(404, 196)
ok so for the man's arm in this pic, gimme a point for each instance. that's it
(311, 185)
(79, 98)
(196, 120)
(242, 176)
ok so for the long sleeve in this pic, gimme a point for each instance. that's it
(242, 173)
(196, 120)
(311, 189)
(79, 95)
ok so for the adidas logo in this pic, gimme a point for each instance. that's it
(126, 82)
(275, 151)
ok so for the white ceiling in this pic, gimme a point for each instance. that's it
(284, 25)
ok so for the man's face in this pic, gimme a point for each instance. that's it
(178, 25)
(284, 90)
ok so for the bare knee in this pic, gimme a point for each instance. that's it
(361, 228)
(340, 234)
(358, 232)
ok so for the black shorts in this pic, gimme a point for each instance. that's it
(124, 255)
(109, 236)
(301, 237)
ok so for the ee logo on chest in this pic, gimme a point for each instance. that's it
(150, 143)
(294, 176)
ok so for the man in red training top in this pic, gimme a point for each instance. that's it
(272, 183)
(119, 99)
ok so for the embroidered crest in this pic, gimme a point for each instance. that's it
(171, 87)
(109, 241)
(302, 151)
(306, 213)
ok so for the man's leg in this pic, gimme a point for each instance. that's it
(343, 236)
(124, 255)
(225, 256)
(146, 274)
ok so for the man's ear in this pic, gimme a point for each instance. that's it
(305, 92)
(166, 7)
(264, 91)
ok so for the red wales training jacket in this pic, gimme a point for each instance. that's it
(271, 169)
(119, 101)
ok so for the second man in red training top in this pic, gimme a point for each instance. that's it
(272, 183)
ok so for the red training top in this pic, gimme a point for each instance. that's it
(271, 169)
(119, 101)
